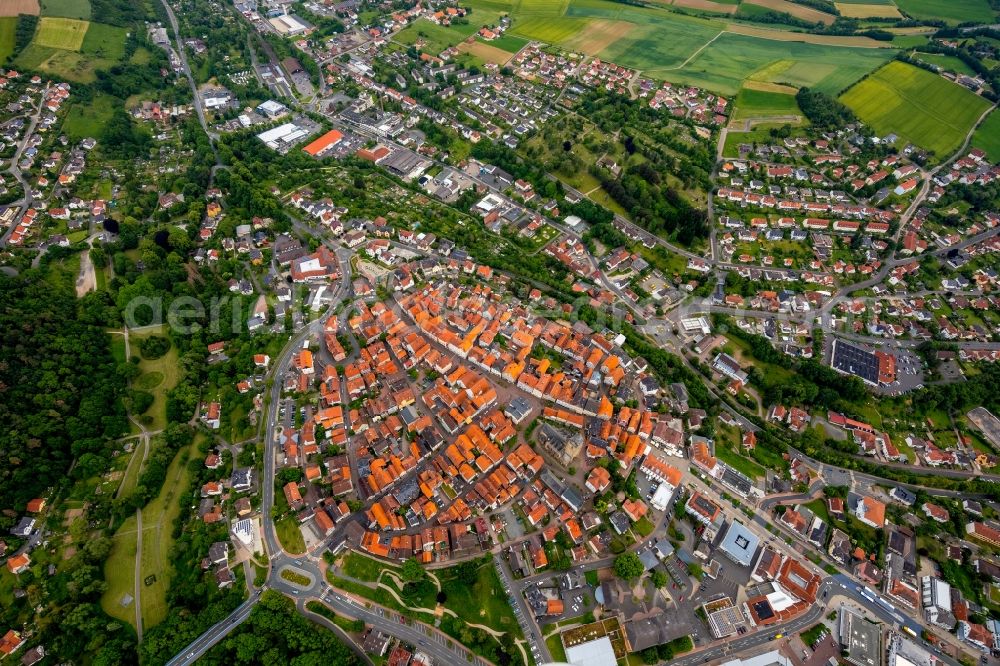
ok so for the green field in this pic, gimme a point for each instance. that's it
(166, 367)
(290, 535)
(509, 43)
(945, 62)
(105, 41)
(7, 25)
(68, 65)
(987, 136)
(921, 107)
(729, 60)
(78, 9)
(61, 33)
(760, 103)
(119, 573)
(86, 120)
(951, 11)
(158, 518)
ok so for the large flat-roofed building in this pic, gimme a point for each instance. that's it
(739, 544)
(771, 658)
(730, 367)
(875, 368)
(598, 652)
(860, 640)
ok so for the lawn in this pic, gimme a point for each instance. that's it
(729, 456)
(509, 43)
(761, 103)
(364, 568)
(119, 573)
(87, 119)
(987, 136)
(729, 60)
(105, 41)
(950, 11)
(7, 25)
(290, 535)
(485, 602)
(759, 134)
(166, 368)
(77, 9)
(437, 38)
(945, 62)
(158, 518)
(61, 33)
(921, 107)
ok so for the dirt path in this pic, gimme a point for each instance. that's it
(87, 280)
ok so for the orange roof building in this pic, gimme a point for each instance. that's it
(321, 145)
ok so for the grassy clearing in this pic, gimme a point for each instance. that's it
(364, 568)
(68, 65)
(509, 43)
(158, 519)
(950, 11)
(166, 368)
(87, 120)
(921, 107)
(105, 41)
(290, 535)
(119, 573)
(437, 38)
(946, 62)
(762, 103)
(729, 60)
(759, 134)
(61, 33)
(76, 9)
(987, 136)
(7, 25)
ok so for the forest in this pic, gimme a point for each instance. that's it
(60, 388)
(275, 634)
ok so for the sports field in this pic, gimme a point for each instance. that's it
(78, 9)
(987, 136)
(950, 11)
(921, 107)
(61, 33)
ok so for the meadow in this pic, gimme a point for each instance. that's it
(72, 49)
(724, 64)
(947, 62)
(77, 9)
(921, 107)
(7, 25)
(868, 10)
(105, 41)
(761, 103)
(61, 33)
(166, 369)
(987, 136)
(950, 11)
(86, 120)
